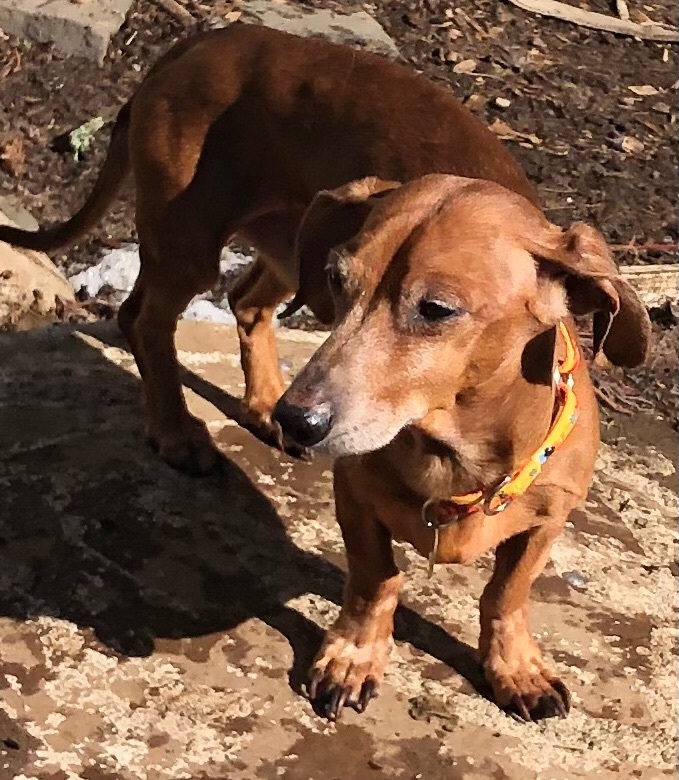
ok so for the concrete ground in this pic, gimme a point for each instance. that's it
(158, 627)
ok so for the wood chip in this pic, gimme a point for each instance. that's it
(662, 108)
(176, 10)
(13, 157)
(570, 13)
(622, 10)
(632, 145)
(466, 66)
(503, 131)
(645, 90)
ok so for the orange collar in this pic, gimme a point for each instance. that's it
(500, 496)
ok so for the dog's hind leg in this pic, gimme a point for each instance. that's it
(127, 318)
(173, 271)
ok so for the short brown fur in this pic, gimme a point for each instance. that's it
(233, 134)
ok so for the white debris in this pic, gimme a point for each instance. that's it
(231, 260)
(201, 310)
(119, 268)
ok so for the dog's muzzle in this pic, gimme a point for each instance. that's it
(304, 426)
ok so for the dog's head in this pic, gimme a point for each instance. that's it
(436, 287)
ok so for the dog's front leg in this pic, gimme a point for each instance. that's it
(253, 300)
(353, 657)
(513, 664)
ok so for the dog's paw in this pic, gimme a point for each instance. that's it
(188, 447)
(346, 673)
(269, 432)
(530, 693)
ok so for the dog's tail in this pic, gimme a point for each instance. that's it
(111, 176)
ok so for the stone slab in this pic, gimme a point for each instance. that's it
(29, 282)
(354, 28)
(75, 27)
(158, 627)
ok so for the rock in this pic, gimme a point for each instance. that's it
(83, 29)
(29, 282)
(357, 27)
(575, 579)
(152, 618)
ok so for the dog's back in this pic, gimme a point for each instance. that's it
(330, 114)
(232, 134)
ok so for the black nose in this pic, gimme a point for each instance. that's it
(305, 427)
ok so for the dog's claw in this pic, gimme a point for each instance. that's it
(563, 697)
(329, 698)
(314, 683)
(368, 692)
(518, 707)
(552, 704)
(336, 698)
(271, 433)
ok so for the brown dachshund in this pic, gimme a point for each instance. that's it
(452, 395)
(231, 135)
(452, 372)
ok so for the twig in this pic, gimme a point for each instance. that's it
(616, 399)
(176, 10)
(622, 10)
(632, 247)
(596, 21)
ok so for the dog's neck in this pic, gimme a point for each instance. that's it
(485, 435)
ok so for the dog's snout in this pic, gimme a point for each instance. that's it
(305, 426)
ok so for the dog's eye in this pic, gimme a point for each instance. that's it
(437, 311)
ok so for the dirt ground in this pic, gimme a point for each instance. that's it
(154, 627)
(158, 627)
(568, 90)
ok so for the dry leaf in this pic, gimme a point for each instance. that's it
(466, 66)
(475, 102)
(232, 16)
(13, 157)
(632, 145)
(503, 131)
(644, 90)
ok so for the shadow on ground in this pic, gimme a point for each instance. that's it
(95, 530)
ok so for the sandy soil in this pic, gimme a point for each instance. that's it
(158, 627)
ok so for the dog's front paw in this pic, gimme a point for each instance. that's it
(527, 689)
(188, 447)
(347, 672)
(269, 432)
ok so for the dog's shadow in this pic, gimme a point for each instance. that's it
(96, 530)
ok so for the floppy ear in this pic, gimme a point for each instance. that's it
(333, 217)
(580, 259)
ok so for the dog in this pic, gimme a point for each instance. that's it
(377, 200)
(452, 394)
(231, 135)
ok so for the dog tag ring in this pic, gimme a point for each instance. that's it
(434, 524)
(434, 550)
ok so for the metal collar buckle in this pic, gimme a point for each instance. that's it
(496, 493)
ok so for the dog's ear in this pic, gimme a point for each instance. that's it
(332, 218)
(580, 260)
